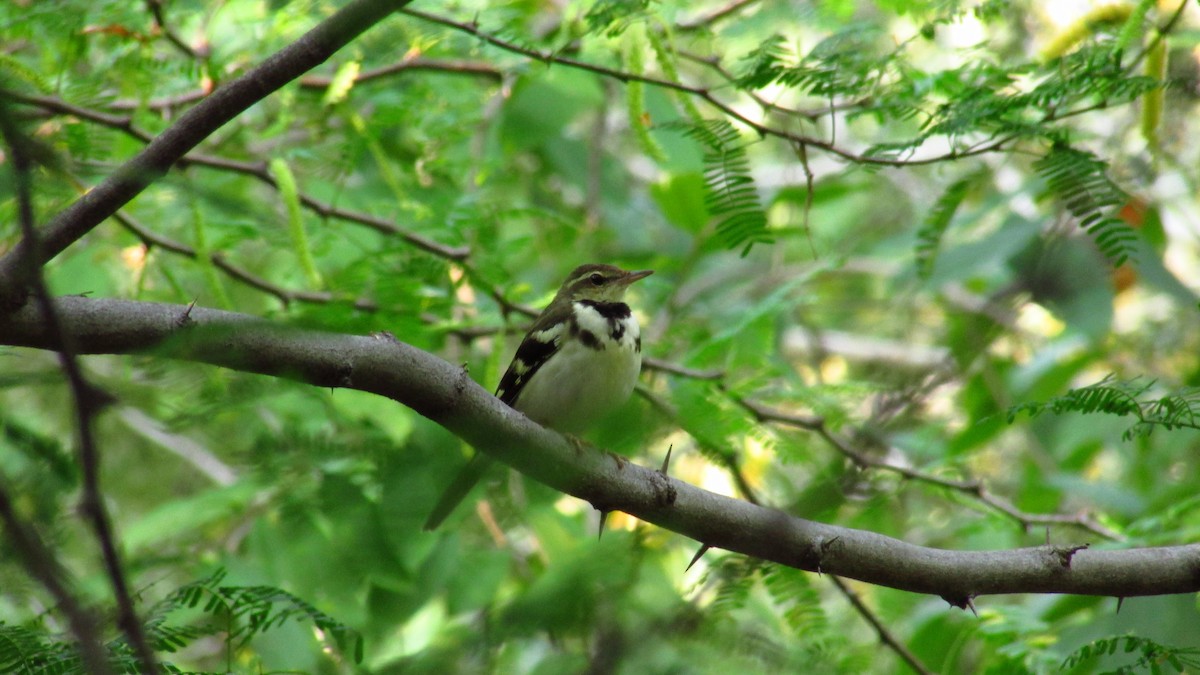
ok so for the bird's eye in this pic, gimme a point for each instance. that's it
(597, 279)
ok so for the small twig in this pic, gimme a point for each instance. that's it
(468, 333)
(506, 306)
(254, 170)
(809, 187)
(156, 10)
(703, 94)
(88, 400)
(326, 210)
(714, 63)
(122, 123)
(41, 564)
(199, 123)
(285, 295)
(727, 460)
(160, 105)
(708, 18)
(199, 457)
(765, 413)
(885, 635)
(416, 63)
(447, 66)
(974, 488)
(651, 363)
(151, 239)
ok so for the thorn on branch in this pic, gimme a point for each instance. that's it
(579, 447)
(1120, 601)
(666, 461)
(464, 376)
(823, 548)
(385, 335)
(699, 554)
(1066, 554)
(962, 602)
(664, 492)
(345, 375)
(185, 320)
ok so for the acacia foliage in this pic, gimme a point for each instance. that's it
(854, 213)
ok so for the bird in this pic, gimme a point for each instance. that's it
(579, 361)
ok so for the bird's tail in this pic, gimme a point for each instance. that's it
(458, 489)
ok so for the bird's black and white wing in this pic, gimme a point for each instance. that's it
(535, 350)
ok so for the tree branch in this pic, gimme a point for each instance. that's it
(255, 170)
(445, 394)
(712, 16)
(198, 123)
(156, 11)
(88, 402)
(41, 564)
(707, 96)
(968, 486)
(284, 295)
(416, 63)
(881, 629)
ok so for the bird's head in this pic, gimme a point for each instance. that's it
(598, 283)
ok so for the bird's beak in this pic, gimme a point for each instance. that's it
(631, 277)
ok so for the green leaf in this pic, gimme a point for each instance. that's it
(290, 195)
(1079, 180)
(185, 517)
(613, 17)
(341, 83)
(681, 198)
(764, 65)
(731, 194)
(929, 237)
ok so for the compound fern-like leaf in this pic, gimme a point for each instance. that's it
(1125, 398)
(929, 237)
(730, 193)
(1079, 180)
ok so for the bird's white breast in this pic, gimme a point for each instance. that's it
(580, 383)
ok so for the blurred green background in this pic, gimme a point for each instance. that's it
(892, 249)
